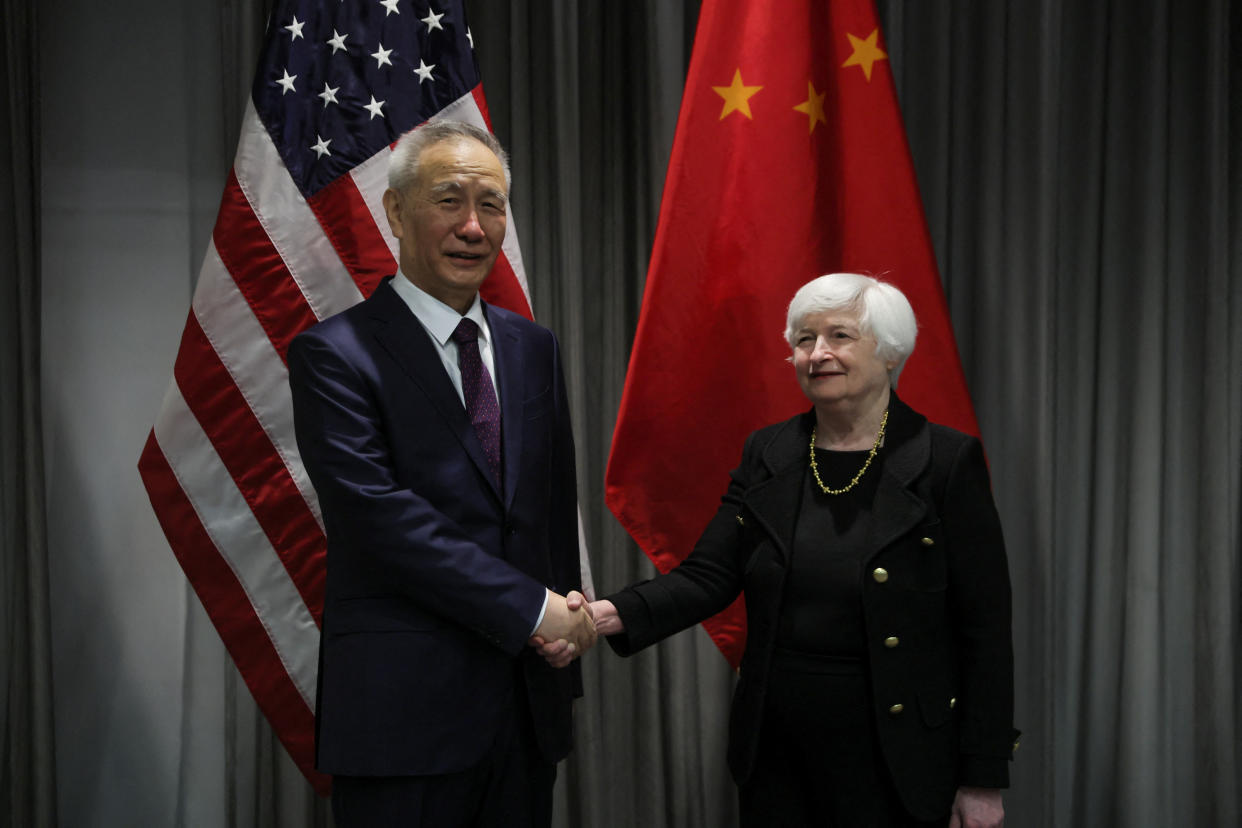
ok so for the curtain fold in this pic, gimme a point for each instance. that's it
(28, 760)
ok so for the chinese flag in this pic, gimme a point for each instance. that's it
(790, 161)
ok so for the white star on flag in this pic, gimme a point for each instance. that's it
(375, 108)
(424, 71)
(287, 82)
(432, 20)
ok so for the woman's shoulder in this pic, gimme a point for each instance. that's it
(787, 429)
(949, 436)
(778, 444)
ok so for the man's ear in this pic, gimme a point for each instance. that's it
(392, 209)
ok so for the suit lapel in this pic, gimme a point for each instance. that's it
(776, 500)
(509, 362)
(908, 453)
(400, 333)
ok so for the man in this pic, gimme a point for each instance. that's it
(436, 432)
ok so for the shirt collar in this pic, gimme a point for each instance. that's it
(438, 318)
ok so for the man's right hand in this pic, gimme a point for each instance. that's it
(567, 630)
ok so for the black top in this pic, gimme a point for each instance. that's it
(822, 612)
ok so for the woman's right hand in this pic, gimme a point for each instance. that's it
(607, 622)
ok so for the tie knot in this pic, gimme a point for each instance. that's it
(466, 331)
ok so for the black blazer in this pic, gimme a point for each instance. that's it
(935, 579)
(435, 576)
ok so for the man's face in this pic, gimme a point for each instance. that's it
(451, 221)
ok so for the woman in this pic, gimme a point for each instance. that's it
(877, 683)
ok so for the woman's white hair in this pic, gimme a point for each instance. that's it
(403, 163)
(883, 311)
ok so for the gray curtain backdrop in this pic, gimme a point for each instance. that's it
(27, 755)
(1080, 169)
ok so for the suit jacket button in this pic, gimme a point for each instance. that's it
(928, 542)
(891, 642)
(952, 703)
(880, 574)
(896, 709)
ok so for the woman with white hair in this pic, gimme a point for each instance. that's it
(876, 686)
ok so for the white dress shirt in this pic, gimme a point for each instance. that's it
(439, 320)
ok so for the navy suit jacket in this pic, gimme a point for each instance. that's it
(435, 577)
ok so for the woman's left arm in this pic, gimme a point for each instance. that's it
(980, 607)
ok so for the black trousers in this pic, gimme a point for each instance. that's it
(510, 788)
(819, 762)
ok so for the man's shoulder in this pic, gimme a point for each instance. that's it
(346, 323)
(516, 324)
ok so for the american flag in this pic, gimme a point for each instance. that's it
(300, 235)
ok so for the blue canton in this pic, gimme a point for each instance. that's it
(339, 80)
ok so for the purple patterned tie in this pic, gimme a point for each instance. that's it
(476, 386)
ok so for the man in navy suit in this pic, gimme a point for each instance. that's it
(436, 432)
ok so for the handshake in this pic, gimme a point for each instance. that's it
(570, 626)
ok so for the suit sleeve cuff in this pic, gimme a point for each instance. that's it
(543, 610)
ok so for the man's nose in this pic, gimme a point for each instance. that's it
(470, 228)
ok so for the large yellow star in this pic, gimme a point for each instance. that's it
(866, 52)
(813, 106)
(736, 96)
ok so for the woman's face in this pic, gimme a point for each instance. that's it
(835, 361)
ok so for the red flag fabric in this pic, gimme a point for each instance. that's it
(790, 161)
(300, 235)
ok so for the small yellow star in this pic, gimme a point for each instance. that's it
(813, 106)
(866, 52)
(736, 96)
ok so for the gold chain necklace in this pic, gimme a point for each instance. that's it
(879, 438)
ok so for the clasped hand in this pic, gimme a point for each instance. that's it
(567, 630)
(561, 651)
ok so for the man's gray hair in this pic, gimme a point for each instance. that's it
(883, 311)
(403, 163)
